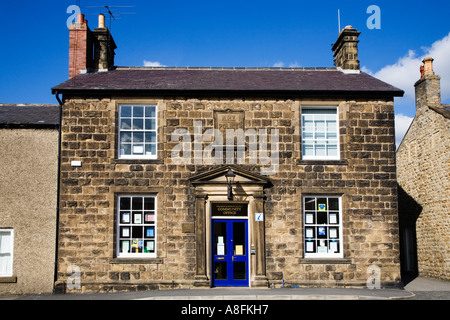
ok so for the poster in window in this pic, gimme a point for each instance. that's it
(333, 218)
(309, 218)
(150, 232)
(137, 218)
(309, 233)
(125, 246)
(333, 233)
(125, 232)
(149, 217)
(321, 231)
(333, 247)
(126, 217)
(150, 246)
(309, 246)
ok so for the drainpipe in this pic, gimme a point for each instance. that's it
(58, 191)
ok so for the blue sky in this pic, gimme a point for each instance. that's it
(245, 33)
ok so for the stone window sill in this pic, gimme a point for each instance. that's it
(12, 279)
(136, 261)
(138, 161)
(325, 261)
(323, 162)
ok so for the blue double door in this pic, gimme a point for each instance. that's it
(230, 253)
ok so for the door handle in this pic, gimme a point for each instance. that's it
(232, 258)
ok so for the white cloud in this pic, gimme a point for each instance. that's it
(406, 71)
(153, 64)
(402, 124)
(281, 64)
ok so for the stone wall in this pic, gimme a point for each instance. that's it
(424, 174)
(365, 177)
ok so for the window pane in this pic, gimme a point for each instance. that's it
(150, 124)
(138, 112)
(125, 111)
(320, 150)
(125, 203)
(149, 204)
(310, 203)
(308, 150)
(333, 203)
(125, 149)
(125, 124)
(150, 137)
(138, 137)
(150, 149)
(137, 203)
(125, 136)
(138, 124)
(332, 150)
(150, 112)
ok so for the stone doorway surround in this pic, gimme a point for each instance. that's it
(248, 187)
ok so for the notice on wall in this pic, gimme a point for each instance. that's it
(229, 209)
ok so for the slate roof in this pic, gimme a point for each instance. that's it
(29, 116)
(204, 81)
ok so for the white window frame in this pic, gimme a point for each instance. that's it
(7, 250)
(132, 130)
(314, 228)
(121, 225)
(314, 139)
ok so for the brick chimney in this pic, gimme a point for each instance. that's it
(346, 50)
(80, 58)
(428, 88)
(90, 51)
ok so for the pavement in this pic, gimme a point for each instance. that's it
(418, 289)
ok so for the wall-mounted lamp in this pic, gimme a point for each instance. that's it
(230, 179)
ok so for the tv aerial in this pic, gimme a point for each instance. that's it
(110, 10)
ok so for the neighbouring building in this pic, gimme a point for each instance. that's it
(423, 164)
(28, 184)
(200, 177)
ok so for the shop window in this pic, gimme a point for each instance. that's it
(322, 227)
(136, 226)
(137, 132)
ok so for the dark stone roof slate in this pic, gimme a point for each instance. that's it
(29, 116)
(222, 80)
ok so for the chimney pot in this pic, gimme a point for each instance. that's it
(428, 66)
(80, 18)
(101, 21)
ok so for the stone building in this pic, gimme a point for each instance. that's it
(200, 177)
(28, 184)
(423, 164)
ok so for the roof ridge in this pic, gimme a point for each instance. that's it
(232, 68)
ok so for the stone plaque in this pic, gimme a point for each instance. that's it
(228, 119)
